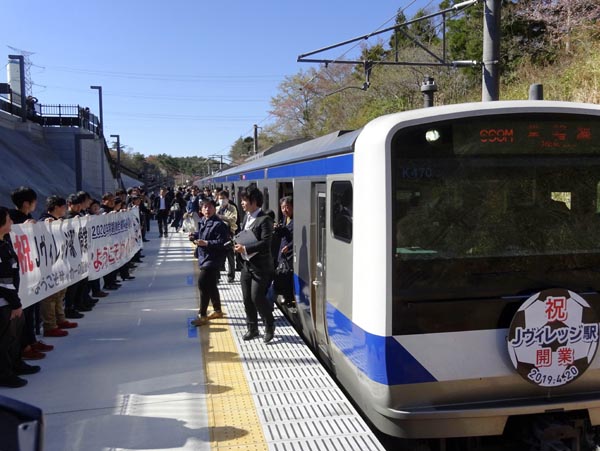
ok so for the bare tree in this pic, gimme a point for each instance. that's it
(562, 17)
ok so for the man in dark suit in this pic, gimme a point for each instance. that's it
(257, 265)
(162, 204)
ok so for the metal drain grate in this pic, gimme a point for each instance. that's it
(300, 407)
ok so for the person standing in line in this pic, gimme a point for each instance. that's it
(212, 234)
(74, 297)
(107, 207)
(25, 201)
(257, 265)
(11, 312)
(228, 213)
(52, 310)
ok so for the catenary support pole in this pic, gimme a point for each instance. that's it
(491, 51)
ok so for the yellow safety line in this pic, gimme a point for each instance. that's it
(232, 417)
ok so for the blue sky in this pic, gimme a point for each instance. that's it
(185, 77)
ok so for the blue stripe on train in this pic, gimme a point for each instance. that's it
(381, 359)
(341, 164)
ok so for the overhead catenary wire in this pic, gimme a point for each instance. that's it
(192, 78)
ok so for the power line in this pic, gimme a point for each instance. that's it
(162, 77)
(158, 97)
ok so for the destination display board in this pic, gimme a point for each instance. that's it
(526, 134)
(507, 134)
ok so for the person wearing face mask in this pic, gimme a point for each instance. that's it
(228, 213)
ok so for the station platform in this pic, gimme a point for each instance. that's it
(136, 376)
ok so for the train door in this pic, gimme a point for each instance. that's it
(319, 251)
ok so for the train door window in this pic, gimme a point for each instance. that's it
(241, 190)
(341, 211)
(283, 190)
(265, 206)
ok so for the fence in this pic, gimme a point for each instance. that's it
(55, 115)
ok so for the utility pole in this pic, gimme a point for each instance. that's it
(491, 51)
(255, 139)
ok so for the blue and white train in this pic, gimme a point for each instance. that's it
(447, 261)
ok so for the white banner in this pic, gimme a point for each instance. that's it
(54, 255)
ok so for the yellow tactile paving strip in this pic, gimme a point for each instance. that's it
(232, 417)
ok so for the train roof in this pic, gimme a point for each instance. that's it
(332, 144)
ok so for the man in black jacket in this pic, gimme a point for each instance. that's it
(212, 234)
(11, 312)
(257, 265)
(162, 204)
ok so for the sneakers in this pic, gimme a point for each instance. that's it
(67, 325)
(56, 332)
(12, 381)
(200, 321)
(42, 347)
(23, 368)
(215, 315)
(31, 354)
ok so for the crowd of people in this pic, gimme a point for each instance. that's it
(247, 239)
(20, 327)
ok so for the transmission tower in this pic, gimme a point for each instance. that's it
(27, 63)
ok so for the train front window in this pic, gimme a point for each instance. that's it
(496, 206)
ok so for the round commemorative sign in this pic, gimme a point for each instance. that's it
(553, 338)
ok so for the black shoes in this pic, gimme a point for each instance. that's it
(24, 368)
(269, 333)
(73, 314)
(12, 381)
(250, 334)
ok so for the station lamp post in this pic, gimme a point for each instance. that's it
(101, 128)
(118, 156)
(101, 134)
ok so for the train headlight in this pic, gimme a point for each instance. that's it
(432, 136)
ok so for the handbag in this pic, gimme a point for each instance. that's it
(175, 207)
(283, 267)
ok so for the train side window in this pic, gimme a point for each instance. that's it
(341, 211)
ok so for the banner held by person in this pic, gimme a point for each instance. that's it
(54, 255)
